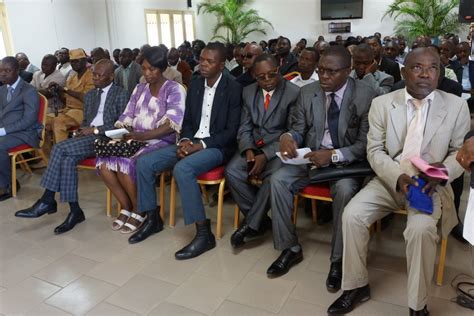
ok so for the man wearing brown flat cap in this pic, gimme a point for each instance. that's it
(78, 83)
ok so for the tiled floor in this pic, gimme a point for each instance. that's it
(92, 270)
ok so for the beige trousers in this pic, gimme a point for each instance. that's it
(372, 203)
(60, 124)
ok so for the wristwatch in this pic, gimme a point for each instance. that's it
(335, 157)
(65, 89)
(96, 131)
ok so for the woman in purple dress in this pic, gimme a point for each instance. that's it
(155, 114)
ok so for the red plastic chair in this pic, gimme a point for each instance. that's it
(16, 153)
(319, 191)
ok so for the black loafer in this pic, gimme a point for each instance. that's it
(423, 312)
(285, 261)
(244, 234)
(38, 209)
(348, 300)
(72, 220)
(8, 192)
(333, 282)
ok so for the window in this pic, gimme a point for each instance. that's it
(171, 28)
(5, 37)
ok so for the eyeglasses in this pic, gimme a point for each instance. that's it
(330, 72)
(248, 56)
(267, 76)
(417, 69)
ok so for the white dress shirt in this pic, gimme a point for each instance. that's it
(99, 118)
(298, 80)
(207, 102)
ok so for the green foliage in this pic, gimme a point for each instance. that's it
(424, 17)
(233, 19)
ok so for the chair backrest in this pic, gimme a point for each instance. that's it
(43, 106)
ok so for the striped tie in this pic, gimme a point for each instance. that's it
(413, 140)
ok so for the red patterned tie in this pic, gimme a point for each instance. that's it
(267, 101)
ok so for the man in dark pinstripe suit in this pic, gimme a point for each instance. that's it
(102, 107)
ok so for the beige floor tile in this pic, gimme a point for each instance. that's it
(12, 247)
(141, 294)
(18, 269)
(295, 307)
(438, 306)
(153, 247)
(53, 248)
(258, 291)
(311, 288)
(102, 248)
(227, 267)
(46, 310)
(25, 296)
(168, 309)
(106, 309)
(320, 261)
(117, 269)
(229, 308)
(201, 294)
(379, 281)
(376, 308)
(81, 295)
(446, 291)
(65, 270)
(168, 269)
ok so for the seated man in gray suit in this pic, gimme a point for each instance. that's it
(102, 107)
(418, 121)
(330, 119)
(265, 116)
(366, 68)
(19, 106)
(128, 74)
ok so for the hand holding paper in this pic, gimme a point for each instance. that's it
(299, 159)
(116, 133)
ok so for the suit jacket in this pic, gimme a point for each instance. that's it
(309, 118)
(19, 117)
(469, 135)
(390, 67)
(246, 79)
(446, 85)
(260, 129)
(237, 71)
(115, 103)
(456, 66)
(225, 115)
(26, 75)
(186, 72)
(290, 63)
(381, 81)
(133, 76)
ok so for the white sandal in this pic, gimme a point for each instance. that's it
(128, 228)
(118, 223)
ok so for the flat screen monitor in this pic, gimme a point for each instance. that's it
(341, 9)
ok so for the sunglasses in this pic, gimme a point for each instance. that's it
(248, 56)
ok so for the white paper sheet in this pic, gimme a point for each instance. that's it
(299, 160)
(468, 232)
(116, 133)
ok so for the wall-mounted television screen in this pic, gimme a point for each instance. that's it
(341, 9)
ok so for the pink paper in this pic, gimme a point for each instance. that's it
(430, 171)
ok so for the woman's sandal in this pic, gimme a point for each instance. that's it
(118, 223)
(128, 227)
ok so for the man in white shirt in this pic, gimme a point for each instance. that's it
(25, 63)
(307, 64)
(64, 64)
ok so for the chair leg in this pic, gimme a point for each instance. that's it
(236, 216)
(13, 166)
(220, 204)
(295, 208)
(162, 196)
(108, 202)
(172, 201)
(442, 261)
(204, 191)
(42, 155)
(313, 210)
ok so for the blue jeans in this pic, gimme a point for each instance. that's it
(185, 172)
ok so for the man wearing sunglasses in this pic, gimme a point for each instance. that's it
(249, 53)
(265, 116)
(330, 119)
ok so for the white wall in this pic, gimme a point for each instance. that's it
(39, 27)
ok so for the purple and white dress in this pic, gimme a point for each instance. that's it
(145, 112)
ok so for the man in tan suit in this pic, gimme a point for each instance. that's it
(418, 121)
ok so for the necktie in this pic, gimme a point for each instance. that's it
(333, 120)
(413, 140)
(267, 101)
(10, 93)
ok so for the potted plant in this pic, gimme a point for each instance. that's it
(236, 22)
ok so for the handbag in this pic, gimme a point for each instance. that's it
(107, 147)
(332, 173)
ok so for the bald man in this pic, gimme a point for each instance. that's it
(249, 53)
(102, 107)
(417, 121)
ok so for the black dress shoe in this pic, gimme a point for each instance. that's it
(71, 220)
(38, 209)
(285, 261)
(457, 233)
(8, 192)
(244, 234)
(348, 300)
(202, 242)
(423, 312)
(333, 282)
(152, 225)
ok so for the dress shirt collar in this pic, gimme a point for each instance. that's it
(314, 77)
(339, 94)
(265, 92)
(15, 84)
(409, 98)
(106, 89)
(215, 84)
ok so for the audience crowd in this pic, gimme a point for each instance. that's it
(358, 110)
